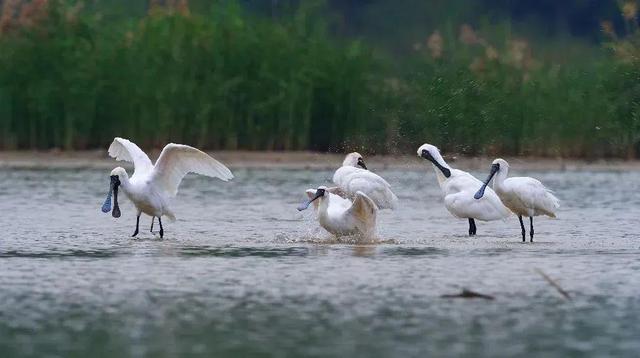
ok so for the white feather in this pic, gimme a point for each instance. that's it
(341, 217)
(352, 180)
(177, 160)
(459, 190)
(524, 196)
(152, 186)
(364, 212)
(124, 150)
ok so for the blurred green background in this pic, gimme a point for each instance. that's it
(485, 77)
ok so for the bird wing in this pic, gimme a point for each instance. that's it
(364, 210)
(341, 174)
(337, 191)
(176, 160)
(124, 149)
(338, 204)
(463, 205)
(533, 194)
(496, 208)
(375, 190)
(372, 185)
(459, 191)
(344, 174)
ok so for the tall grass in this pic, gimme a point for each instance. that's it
(227, 79)
(473, 97)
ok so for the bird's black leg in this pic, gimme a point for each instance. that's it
(472, 227)
(531, 231)
(524, 233)
(137, 226)
(161, 230)
(153, 218)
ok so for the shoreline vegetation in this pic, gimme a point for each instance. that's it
(224, 78)
(99, 159)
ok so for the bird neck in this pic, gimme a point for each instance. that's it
(500, 177)
(324, 200)
(125, 184)
(440, 166)
(323, 205)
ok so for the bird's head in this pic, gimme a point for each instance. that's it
(320, 193)
(120, 172)
(432, 154)
(354, 160)
(497, 166)
(428, 151)
(500, 164)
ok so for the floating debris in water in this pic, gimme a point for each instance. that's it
(555, 285)
(469, 294)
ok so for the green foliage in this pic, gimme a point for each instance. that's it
(225, 79)
(476, 99)
(228, 79)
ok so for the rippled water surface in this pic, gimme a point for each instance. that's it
(242, 273)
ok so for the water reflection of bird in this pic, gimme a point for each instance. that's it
(152, 186)
(353, 177)
(524, 196)
(459, 188)
(340, 216)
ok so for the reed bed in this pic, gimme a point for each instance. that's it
(74, 78)
(221, 80)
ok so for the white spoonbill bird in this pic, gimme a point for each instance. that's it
(524, 196)
(353, 177)
(459, 187)
(340, 216)
(151, 187)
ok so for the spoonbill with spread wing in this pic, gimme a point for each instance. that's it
(459, 188)
(340, 216)
(524, 196)
(353, 177)
(151, 187)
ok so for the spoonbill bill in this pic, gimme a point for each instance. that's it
(459, 187)
(340, 216)
(353, 177)
(151, 187)
(524, 196)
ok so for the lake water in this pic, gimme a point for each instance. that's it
(243, 273)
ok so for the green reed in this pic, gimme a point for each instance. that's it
(228, 79)
(224, 79)
(474, 103)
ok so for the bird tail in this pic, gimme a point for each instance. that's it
(393, 204)
(364, 210)
(552, 203)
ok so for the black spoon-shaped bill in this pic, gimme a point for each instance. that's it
(106, 207)
(116, 208)
(306, 203)
(113, 192)
(427, 155)
(494, 170)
